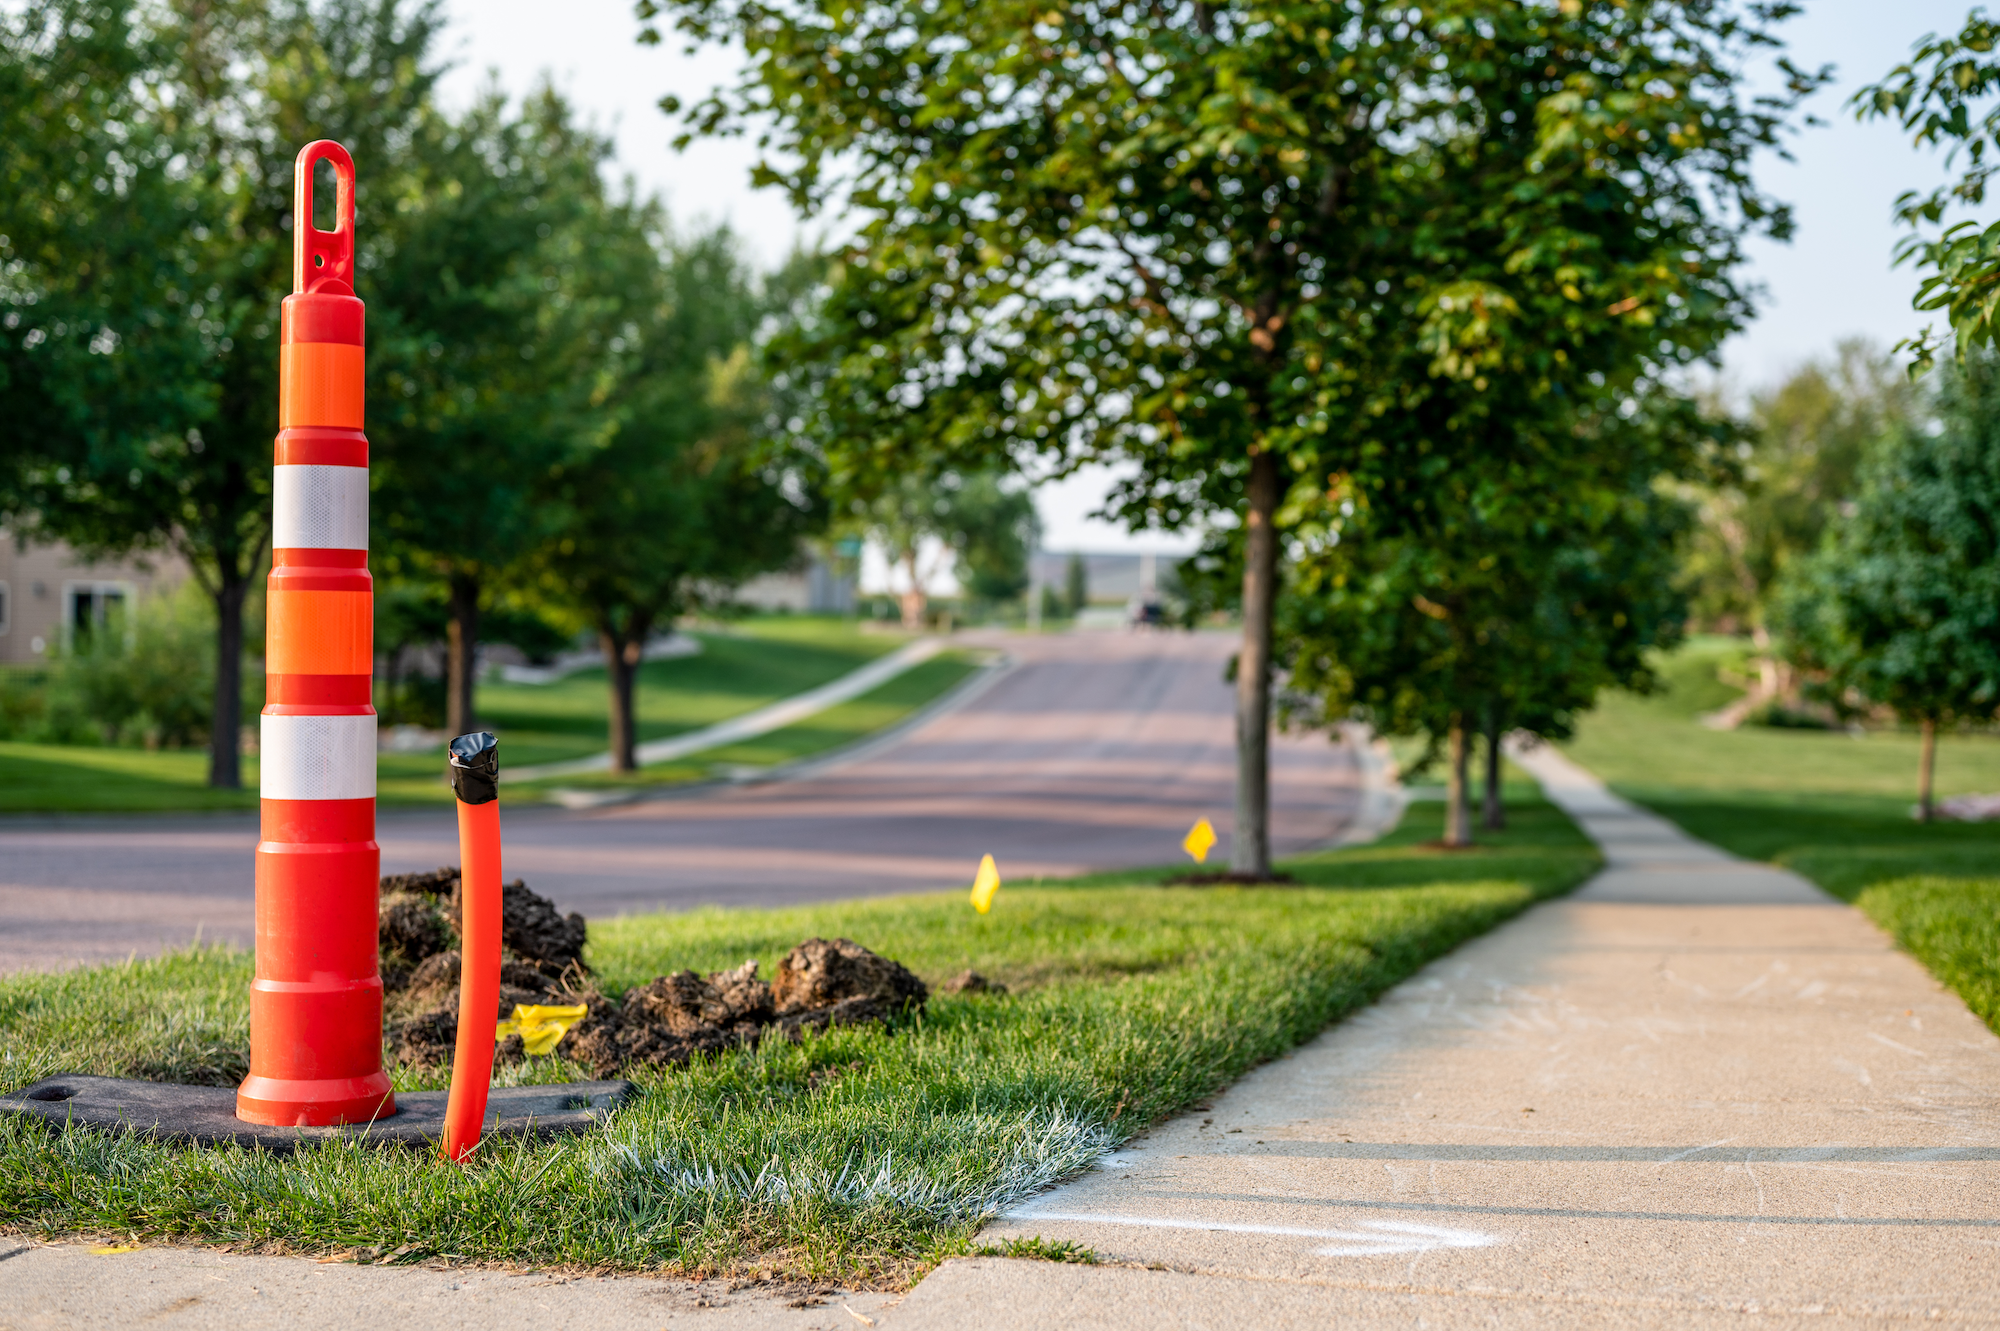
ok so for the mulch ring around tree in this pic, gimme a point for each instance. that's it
(820, 983)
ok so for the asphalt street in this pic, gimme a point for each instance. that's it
(1093, 750)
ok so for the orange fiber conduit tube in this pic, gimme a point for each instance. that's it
(475, 777)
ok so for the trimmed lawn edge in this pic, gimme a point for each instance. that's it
(1907, 878)
(859, 1155)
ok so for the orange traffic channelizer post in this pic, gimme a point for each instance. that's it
(316, 1001)
(475, 780)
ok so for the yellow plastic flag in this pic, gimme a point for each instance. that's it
(1199, 841)
(985, 884)
(540, 1025)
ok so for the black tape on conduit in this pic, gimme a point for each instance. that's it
(475, 767)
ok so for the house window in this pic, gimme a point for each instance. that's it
(89, 606)
(6, 608)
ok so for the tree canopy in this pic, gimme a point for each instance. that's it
(489, 347)
(1788, 475)
(974, 518)
(1512, 613)
(1937, 96)
(145, 302)
(531, 379)
(1250, 248)
(1900, 607)
(674, 497)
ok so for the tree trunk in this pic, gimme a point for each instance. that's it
(622, 654)
(1495, 813)
(1250, 849)
(913, 600)
(1457, 803)
(462, 642)
(621, 669)
(225, 728)
(1925, 763)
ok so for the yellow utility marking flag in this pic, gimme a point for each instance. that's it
(1199, 841)
(540, 1025)
(985, 885)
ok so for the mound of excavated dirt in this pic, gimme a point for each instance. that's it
(818, 974)
(541, 955)
(669, 1021)
(532, 930)
(661, 1024)
(411, 930)
(438, 883)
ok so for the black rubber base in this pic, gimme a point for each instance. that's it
(206, 1115)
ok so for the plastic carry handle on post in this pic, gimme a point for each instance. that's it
(475, 779)
(323, 261)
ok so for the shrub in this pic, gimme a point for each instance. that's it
(24, 701)
(1786, 716)
(148, 675)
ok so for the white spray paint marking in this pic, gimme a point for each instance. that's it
(1391, 1238)
(1751, 987)
(1893, 1045)
(1370, 1238)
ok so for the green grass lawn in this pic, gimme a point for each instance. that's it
(753, 665)
(761, 662)
(858, 1155)
(66, 778)
(1832, 807)
(839, 725)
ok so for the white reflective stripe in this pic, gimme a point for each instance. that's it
(317, 757)
(319, 508)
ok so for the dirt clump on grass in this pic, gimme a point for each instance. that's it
(820, 984)
(664, 1023)
(818, 974)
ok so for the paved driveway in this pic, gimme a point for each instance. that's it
(1096, 750)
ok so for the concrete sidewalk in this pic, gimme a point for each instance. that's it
(57, 1287)
(1698, 1093)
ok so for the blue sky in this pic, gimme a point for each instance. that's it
(1832, 281)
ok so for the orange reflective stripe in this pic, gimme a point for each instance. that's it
(319, 383)
(320, 633)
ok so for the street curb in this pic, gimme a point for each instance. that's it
(1383, 796)
(866, 747)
